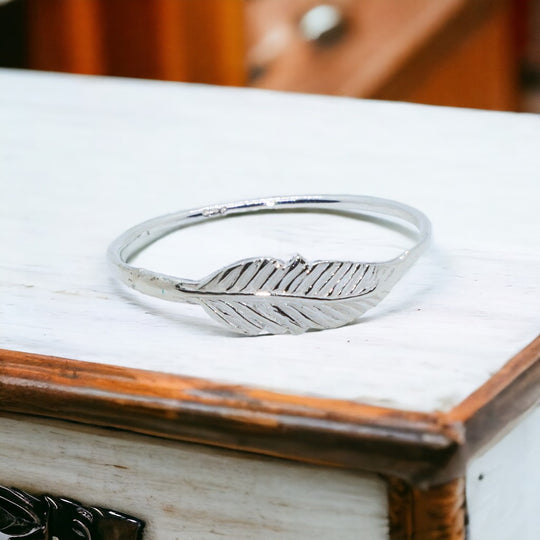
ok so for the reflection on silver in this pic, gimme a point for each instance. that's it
(264, 295)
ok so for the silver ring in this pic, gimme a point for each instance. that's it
(264, 295)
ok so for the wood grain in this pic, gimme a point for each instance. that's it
(214, 34)
(450, 52)
(171, 49)
(437, 513)
(316, 430)
(511, 392)
(65, 36)
(160, 39)
(469, 305)
(189, 491)
(491, 411)
(130, 31)
(422, 448)
(466, 307)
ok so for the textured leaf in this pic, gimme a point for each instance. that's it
(265, 295)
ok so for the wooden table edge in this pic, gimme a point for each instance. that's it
(421, 448)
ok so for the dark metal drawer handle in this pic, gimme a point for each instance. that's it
(29, 517)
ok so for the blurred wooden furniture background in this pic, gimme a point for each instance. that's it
(178, 40)
(448, 52)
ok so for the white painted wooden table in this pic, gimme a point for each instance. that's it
(82, 159)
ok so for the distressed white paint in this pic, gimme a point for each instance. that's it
(187, 491)
(503, 486)
(84, 158)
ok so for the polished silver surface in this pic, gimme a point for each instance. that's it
(263, 295)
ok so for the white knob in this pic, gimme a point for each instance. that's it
(320, 20)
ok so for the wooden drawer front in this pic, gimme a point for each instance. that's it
(188, 491)
(367, 42)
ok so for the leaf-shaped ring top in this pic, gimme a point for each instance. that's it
(265, 295)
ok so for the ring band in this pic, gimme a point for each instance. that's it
(264, 295)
